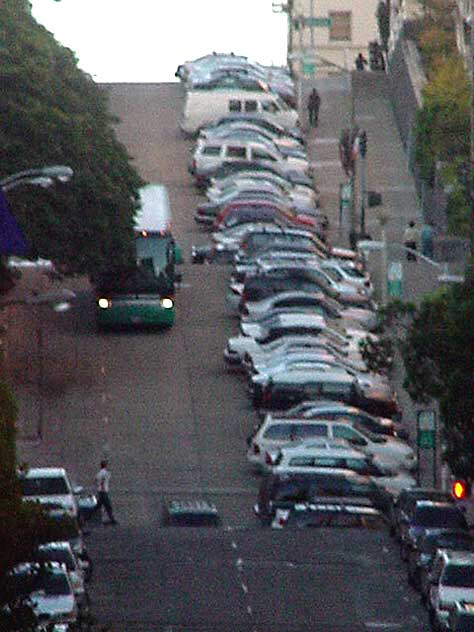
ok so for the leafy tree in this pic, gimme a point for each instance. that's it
(435, 341)
(53, 113)
(442, 124)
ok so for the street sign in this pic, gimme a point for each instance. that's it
(320, 21)
(426, 435)
(308, 68)
(394, 279)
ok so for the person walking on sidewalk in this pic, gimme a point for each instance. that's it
(360, 62)
(102, 479)
(410, 240)
(314, 103)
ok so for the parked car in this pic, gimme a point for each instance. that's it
(421, 554)
(275, 433)
(190, 513)
(262, 121)
(49, 485)
(49, 589)
(62, 553)
(283, 491)
(429, 515)
(309, 456)
(405, 505)
(451, 581)
(342, 513)
(326, 409)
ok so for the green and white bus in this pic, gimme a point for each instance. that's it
(144, 294)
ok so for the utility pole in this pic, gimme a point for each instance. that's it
(363, 184)
(311, 15)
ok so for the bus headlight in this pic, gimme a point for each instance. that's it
(167, 303)
(104, 303)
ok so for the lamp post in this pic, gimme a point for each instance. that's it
(42, 176)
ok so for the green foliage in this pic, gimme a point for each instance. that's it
(442, 124)
(53, 113)
(439, 364)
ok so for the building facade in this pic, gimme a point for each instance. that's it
(325, 36)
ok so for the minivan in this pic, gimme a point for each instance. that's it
(202, 107)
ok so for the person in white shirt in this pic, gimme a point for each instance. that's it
(103, 499)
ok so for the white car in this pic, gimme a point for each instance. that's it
(62, 553)
(287, 324)
(309, 455)
(51, 486)
(52, 596)
(329, 307)
(275, 433)
(349, 272)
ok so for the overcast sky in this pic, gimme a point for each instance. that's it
(145, 40)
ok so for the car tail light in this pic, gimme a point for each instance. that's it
(256, 448)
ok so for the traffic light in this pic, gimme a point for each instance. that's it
(363, 143)
(460, 489)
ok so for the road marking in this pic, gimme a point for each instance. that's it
(325, 163)
(326, 141)
(249, 609)
(244, 588)
(382, 625)
(239, 563)
(233, 545)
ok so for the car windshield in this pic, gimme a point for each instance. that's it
(440, 517)
(55, 584)
(458, 576)
(459, 542)
(369, 435)
(63, 556)
(49, 486)
(327, 517)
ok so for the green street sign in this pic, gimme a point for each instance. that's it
(394, 279)
(318, 21)
(426, 431)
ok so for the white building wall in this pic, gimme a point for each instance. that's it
(364, 28)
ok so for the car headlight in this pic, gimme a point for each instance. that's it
(167, 303)
(104, 303)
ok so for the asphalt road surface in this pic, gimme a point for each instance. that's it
(173, 423)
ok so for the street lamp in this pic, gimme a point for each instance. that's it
(42, 176)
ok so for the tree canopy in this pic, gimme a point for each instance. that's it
(53, 113)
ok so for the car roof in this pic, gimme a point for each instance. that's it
(336, 451)
(190, 506)
(315, 376)
(457, 557)
(43, 472)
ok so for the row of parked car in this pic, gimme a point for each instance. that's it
(55, 579)
(329, 440)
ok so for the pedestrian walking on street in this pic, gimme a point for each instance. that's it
(360, 62)
(410, 240)
(102, 479)
(427, 240)
(314, 103)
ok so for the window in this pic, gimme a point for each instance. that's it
(302, 461)
(236, 152)
(48, 486)
(341, 26)
(346, 432)
(269, 106)
(258, 154)
(235, 105)
(211, 151)
(250, 106)
(309, 431)
(279, 432)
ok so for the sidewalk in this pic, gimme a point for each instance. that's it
(388, 174)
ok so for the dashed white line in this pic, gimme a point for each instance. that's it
(244, 587)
